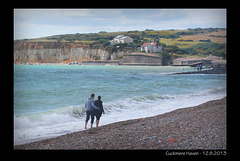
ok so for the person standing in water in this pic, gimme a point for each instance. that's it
(98, 113)
(89, 105)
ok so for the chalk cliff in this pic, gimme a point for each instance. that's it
(57, 52)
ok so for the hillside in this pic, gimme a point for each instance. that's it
(216, 35)
(176, 43)
(186, 41)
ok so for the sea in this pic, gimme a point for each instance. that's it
(49, 99)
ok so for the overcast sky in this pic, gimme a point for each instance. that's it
(35, 23)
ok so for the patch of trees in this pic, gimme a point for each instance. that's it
(208, 40)
(215, 49)
(173, 49)
(185, 40)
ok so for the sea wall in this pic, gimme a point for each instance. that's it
(140, 59)
(57, 52)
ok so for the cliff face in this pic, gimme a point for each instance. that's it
(56, 52)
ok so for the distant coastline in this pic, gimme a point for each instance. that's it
(214, 69)
(176, 44)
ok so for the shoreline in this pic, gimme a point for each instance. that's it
(198, 127)
(117, 63)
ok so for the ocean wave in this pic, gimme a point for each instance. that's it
(48, 118)
(73, 113)
(76, 112)
(218, 90)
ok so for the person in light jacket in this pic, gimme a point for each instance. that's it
(89, 105)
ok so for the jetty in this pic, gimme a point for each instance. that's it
(213, 69)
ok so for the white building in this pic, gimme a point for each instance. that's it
(151, 47)
(121, 39)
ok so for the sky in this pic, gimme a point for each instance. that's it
(35, 23)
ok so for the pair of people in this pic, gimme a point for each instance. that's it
(93, 108)
(199, 67)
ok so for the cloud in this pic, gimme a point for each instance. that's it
(46, 22)
(206, 17)
(76, 12)
(88, 12)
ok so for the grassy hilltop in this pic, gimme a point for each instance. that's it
(189, 42)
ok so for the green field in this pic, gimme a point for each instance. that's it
(215, 37)
(180, 44)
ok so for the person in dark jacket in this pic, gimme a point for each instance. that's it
(98, 113)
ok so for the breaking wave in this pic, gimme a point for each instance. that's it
(74, 113)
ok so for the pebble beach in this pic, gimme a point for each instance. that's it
(198, 127)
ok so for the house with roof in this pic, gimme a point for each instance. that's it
(151, 47)
(121, 39)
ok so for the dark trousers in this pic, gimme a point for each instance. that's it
(90, 113)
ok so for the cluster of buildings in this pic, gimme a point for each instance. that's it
(147, 47)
